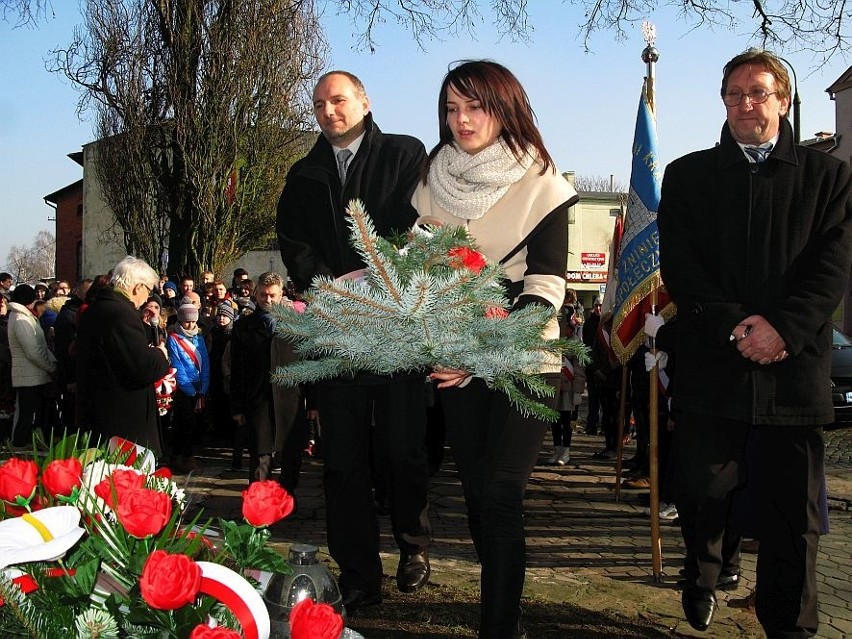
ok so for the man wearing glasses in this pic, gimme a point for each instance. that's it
(755, 249)
(116, 368)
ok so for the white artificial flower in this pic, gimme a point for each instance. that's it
(45, 535)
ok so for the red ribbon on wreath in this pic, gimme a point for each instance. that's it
(164, 389)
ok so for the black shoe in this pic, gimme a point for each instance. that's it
(698, 606)
(728, 582)
(413, 571)
(354, 599)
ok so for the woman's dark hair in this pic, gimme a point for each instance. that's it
(502, 97)
(247, 283)
(100, 281)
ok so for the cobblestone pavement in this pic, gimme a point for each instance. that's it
(583, 546)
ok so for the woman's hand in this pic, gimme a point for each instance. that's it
(449, 377)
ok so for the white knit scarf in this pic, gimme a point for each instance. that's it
(468, 185)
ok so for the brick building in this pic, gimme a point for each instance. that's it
(67, 203)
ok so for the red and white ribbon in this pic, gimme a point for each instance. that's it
(229, 587)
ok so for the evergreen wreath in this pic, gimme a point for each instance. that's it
(427, 300)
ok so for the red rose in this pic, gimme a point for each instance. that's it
(314, 621)
(496, 312)
(169, 582)
(62, 476)
(467, 257)
(120, 480)
(143, 512)
(206, 632)
(265, 502)
(17, 479)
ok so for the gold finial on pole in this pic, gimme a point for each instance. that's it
(650, 55)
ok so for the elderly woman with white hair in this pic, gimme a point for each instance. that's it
(116, 368)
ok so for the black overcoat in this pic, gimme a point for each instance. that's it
(312, 231)
(773, 239)
(269, 409)
(116, 371)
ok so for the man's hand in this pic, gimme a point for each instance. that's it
(239, 419)
(356, 275)
(758, 341)
(652, 324)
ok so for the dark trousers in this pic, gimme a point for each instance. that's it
(785, 469)
(642, 415)
(188, 426)
(352, 527)
(274, 437)
(609, 402)
(561, 429)
(594, 403)
(29, 413)
(495, 450)
(436, 429)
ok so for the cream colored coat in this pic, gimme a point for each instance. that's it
(32, 361)
(519, 215)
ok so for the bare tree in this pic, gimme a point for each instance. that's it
(598, 184)
(34, 262)
(819, 26)
(25, 12)
(201, 107)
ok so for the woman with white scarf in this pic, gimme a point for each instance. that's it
(492, 173)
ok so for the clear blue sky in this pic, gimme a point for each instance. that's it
(585, 102)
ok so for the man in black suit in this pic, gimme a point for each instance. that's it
(755, 249)
(354, 159)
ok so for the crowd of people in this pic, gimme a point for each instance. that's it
(752, 344)
(59, 370)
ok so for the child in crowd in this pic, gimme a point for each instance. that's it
(188, 355)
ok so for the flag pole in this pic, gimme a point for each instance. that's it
(622, 407)
(622, 420)
(650, 55)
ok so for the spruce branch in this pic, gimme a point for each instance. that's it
(23, 617)
(424, 302)
(362, 227)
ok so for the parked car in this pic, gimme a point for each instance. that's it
(841, 379)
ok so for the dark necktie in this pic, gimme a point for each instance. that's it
(343, 156)
(758, 153)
